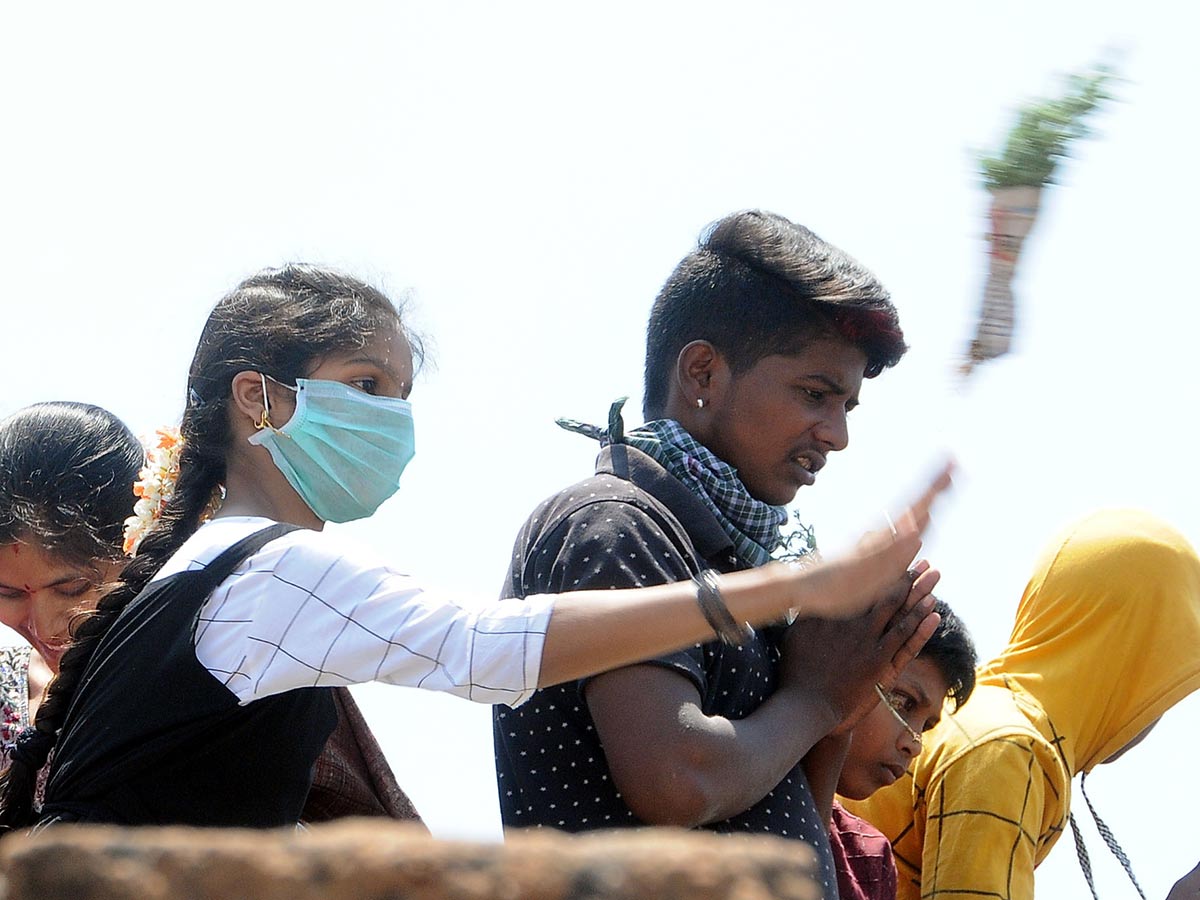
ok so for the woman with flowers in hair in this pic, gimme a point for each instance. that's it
(66, 470)
(210, 663)
(69, 473)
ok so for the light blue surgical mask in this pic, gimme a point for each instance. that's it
(342, 450)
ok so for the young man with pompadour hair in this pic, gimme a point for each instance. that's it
(757, 346)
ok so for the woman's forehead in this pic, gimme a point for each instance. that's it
(389, 349)
(28, 557)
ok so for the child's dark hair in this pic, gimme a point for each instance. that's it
(281, 322)
(953, 652)
(760, 285)
(66, 480)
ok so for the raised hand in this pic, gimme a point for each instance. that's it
(850, 584)
(839, 661)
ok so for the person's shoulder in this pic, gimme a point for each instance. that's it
(984, 743)
(603, 500)
(208, 541)
(600, 488)
(602, 532)
(328, 553)
(991, 713)
(997, 723)
(847, 823)
(862, 855)
(317, 551)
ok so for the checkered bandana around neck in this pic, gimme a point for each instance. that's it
(752, 525)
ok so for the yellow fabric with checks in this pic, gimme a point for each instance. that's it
(1106, 639)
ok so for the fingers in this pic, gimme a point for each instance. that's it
(906, 635)
(889, 555)
(910, 648)
(903, 595)
(899, 646)
(916, 517)
(859, 579)
(901, 542)
(923, 585)
(940, 483)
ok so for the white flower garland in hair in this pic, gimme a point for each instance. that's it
(155, 485)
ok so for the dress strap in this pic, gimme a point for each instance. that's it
(222, 567)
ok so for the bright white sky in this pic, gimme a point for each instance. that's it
(532, 172)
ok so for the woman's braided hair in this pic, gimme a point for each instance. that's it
(280, 322)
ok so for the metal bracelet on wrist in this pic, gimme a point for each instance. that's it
(716, 613)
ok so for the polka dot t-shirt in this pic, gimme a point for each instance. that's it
(615, 531)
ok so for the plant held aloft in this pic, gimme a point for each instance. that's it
(1044, 131)
(1040, 139)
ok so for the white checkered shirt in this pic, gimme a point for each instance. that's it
(309, 609)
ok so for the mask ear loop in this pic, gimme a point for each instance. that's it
(264, 420)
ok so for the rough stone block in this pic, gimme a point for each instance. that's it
(371, 860)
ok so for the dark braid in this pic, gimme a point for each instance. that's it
(200, 474)
(280, 322)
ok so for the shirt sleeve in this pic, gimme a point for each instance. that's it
(308, 611)
(982, 823)
(608, 545)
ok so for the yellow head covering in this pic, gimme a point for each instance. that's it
(1107, 635)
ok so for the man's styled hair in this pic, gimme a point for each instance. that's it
(952, 651)
(760, 285)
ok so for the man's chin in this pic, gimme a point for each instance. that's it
(780, 494)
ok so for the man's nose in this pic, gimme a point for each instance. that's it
(834, 431)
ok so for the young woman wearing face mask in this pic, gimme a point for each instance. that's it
(210, 662)
(67, 473)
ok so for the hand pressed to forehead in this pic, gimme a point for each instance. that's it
(903, 587)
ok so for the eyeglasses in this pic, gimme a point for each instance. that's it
(891, 705)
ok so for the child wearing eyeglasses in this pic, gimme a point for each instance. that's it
(880, 749)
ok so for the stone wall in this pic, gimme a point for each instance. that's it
(368, 860)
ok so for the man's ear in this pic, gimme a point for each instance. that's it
(701, 374)
(248, 397)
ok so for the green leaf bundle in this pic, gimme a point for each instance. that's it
(1044, 130)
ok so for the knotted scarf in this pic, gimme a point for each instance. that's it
(751, 524)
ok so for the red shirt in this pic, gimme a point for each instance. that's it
(862, 857)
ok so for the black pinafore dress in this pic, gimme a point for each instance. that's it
(153, 738)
